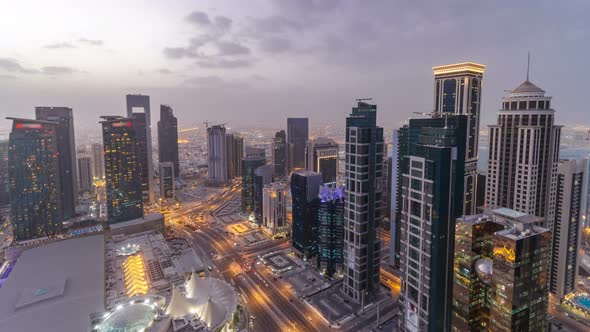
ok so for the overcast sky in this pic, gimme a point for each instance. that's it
(260, 61)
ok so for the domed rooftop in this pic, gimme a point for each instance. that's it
(484, 268)
(528, 87)
(134, 317)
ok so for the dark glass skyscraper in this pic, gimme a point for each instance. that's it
(457, 90)
(305, 188)
(249, 165)
(143, 137)
(168, 137)
(432, 199)
(4, 183)
(66, 147)
(122, 173)
(298, 134)
(262, 177)
(321, 155)
(364, 190)
(33, 171)
(279, 154)
(238, 155)
(331, 230)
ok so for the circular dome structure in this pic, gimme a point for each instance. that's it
(484, 268)
(130, 318)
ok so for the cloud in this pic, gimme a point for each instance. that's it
(223, 23)
(164, 71)
(231, 48)
(198, 18)
(56, 46)
(13, 66)
(274, 24)
(275, 45)
(92, 42)
(57, 70)
(223, 63)
(213, 82)
(7, 77)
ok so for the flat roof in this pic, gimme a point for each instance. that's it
(55, 287)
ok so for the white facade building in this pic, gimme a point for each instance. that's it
(216, 149)
(274, 209)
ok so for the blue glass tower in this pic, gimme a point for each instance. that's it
(331, 230)
(305, 187)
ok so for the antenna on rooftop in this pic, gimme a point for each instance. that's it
(528, 66)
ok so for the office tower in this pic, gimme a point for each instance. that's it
(168, 138)
(279, 155)
(34, 175)
(572, 181)
(472, 279)
(400, 149)
(249, 165)
(297, 134)
(523, 154)
(262, 177)
(252, 151)
(138, 110)
(216, 149)
(321, 155)
(274, 220)
(305, 187)
(480, 191)
(238, 155)
(4, 182)
(97, 162)
(122, 169)
(432, 199)
(230, 146)
(364, 181)
(331, 230)
(386, 205)
(85, 173)
(519, 279)
(66, 148)
(457, 90)
(167, 177)
(500, 272)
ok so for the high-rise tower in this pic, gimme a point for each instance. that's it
(524, 153)
(364, 173)
(305, 188)
(321, 155)
(217, 155)
(168, 137)
(34, 175)
(279, 154)
(457, 90)
(298, 134)
(66, 147)
(138, 110)
(122, 172)
(331, 230)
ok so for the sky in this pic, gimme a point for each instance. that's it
(257, 62)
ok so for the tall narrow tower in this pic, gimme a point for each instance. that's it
(297, 135)
(364, 179)
(168, 137)
(138, 110)
(217, 155)
(457, 90)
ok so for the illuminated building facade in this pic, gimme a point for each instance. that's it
(364, 190)
(297, 135)
(168, 137)
(249, 166)
(305, 187)
(217, 155)
(321, 155)
(33, 172)
(524, 154)
(572, 179)
(85, 173)
(432, 199)
(279, 155)
(122, 173)
(138, 109)
(167, 177)
(66, 147)
(238, 155)
(134, 276)
(262, 177)
(331, 230)
(274, 205)
(457, 90)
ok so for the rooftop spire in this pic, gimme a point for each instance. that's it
(528, 66)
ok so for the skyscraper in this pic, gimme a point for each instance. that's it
(249, 165)
(305, 187)
(400, 149)
(457, 90)
(262, 177)
(4, 182)
(143, 137)
(331, 230)
(216, 149)
(279, 155)
(298, 134)
(523, 154)
(364, 180)
(122, 172)
(432, 199)
(168, 138)
(230, 150)
(97, 161)
(167, 177)
(274, 220)
(572, 180)
(66, 147)
(321, 155)
(238, 155)
(34, 175)
(85, 173)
